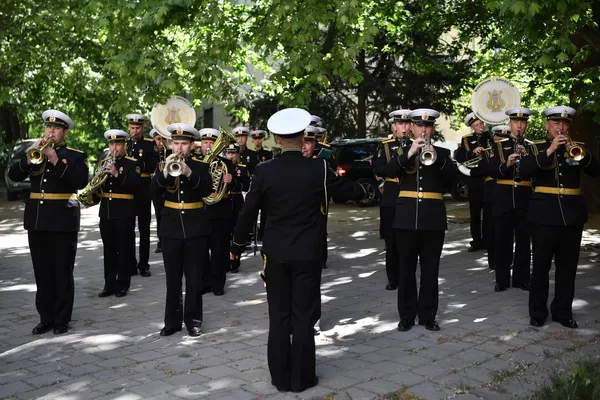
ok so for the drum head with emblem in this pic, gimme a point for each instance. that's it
(176, 109)
(492, 97)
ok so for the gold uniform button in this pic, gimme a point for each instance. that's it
(420, 195)
(562, 191)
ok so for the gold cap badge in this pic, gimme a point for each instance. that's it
(51, 118)
(520, 113)
(179, 131)
(135, 119)
(425, 117)
(564, 114)
(113, 136)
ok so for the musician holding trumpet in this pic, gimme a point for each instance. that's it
(52, 215)
(558, 213)
(117, 213)
(184, 229)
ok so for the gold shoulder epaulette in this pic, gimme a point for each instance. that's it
(325, 144)
(250, 149)
(197, 159)
(241, 165)
(503, 140)
(390, 140)
(131, 158)
(267, 149)
(467, 135)
(538, 141)
(70, 148)
(148, 139)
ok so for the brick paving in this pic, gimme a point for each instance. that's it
(485, 350)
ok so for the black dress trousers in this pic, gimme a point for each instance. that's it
(475, 196)
(293, 294)
(143, 203)
(216, 267)
(391, 254)
(116, 239)
(53, 257)
(506, 227)
(561, 243)
(183, 257)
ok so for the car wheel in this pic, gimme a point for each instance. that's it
(460, 190)
(372, 189)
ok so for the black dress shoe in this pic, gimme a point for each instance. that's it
(405, 325)
(158, 250)
(430, 325)
(145, 274)
(567, 323)
(195, 331)
(499, 288)
(60, 329)
(219, 292)
(524, 286)
(105, 293)
(235, 270)
(313, 384)
(121, 293)
(41, 328)
(391, 286)
(169, 331)
(536, 323)
(280, 388)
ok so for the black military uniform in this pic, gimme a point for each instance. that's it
(248, 156)
(117, 220)
(475, 185)
(237, 198)
(142, 149)
(52, 215)
(262, 155)
(184, 234)
(291, 190)
(558, 212)
(158, 200)
(388, 150)
(219, 215)
(511, 202)
(419, 226)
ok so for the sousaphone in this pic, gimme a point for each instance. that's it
(492, 97)
(176, 110)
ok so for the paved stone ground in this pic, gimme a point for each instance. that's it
(486, 349)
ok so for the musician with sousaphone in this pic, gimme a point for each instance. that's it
(121, 177)
(184, 181)
(52, 217)
(558, 212)
(218, 207)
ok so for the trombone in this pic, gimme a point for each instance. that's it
(36, 156)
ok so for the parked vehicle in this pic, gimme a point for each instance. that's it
(13, 189)
(354, 161)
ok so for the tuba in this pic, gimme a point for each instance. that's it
(89, 196)
(217, 168)
(36, 156)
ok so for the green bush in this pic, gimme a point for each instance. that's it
(583, 383)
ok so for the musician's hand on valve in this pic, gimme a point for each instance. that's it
(417, 145)
(558, 141)
(227, 178)
(185, 170)
(111, 169)
(478, 150)
(512, 160)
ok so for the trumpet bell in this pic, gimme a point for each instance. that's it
(576, 152)
(428, 157)
(36, 156)
(175, 168)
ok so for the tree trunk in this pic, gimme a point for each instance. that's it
(362, 99)
(10, 128)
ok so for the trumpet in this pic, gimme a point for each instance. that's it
(428, 154)
(175, 167)
(575, 152)
(474, 162)
(36, 156)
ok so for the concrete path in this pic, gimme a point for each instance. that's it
(486, 348)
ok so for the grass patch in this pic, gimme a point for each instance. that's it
(583, 383)
(401, 394)
(504, 374)
(462, 388)
(168, 372)
(329, 396)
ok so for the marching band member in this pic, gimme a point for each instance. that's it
(184, 230)
(292, 191)
(248, 156)
(219, 217)
(425, 172)
(117, 214)
(472, 145)
(511, 201)
(52, 215)
(262, 155)
(388, 150)
(142, 149)
(160, 146)
(558, 213)
(232, 153)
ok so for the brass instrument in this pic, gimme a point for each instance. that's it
(36, 156)
(217, 168)
(575, 152)
(465, 167)
(175, 167)
(428, 154)
(89, 196)
(519, 145)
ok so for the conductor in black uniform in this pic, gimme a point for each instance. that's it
(232, 153)
(248, 156)
(388, 150)
(184, 229)
(425, 173)
(52, 215)
(219, 215)
(262, 154)
(142, 149)
(117, 214)
(511, 202)
(472, 146)
(158, 200)
(291, 190)
(558, 212)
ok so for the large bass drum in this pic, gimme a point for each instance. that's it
(176, 110)
(492, 97)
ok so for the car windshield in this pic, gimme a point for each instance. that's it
(360, 152)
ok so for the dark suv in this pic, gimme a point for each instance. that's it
(354, 161)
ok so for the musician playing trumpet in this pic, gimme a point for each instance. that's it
(184, 229)
(117, 213)
(555, 164)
